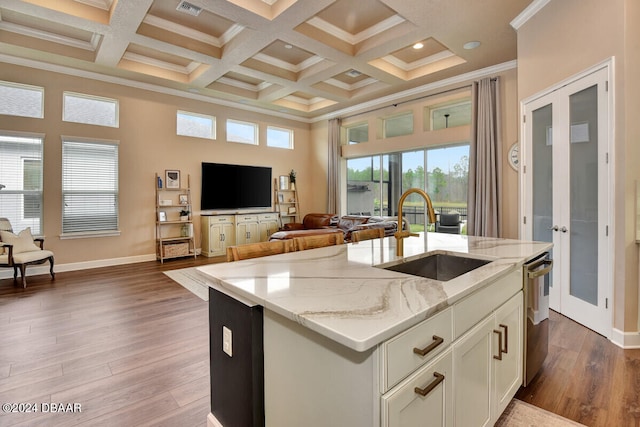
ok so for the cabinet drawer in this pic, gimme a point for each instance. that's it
(268, 217)
(399, 358)
(246, 218)
(475, 307)
(220, 218)
(404, 406)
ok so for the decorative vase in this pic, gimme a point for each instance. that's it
(293, 186)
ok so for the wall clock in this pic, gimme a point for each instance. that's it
(514, 156)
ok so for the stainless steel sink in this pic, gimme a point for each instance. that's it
(440, 267)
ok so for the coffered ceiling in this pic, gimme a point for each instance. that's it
(305, 58)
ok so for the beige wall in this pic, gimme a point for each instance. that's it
(148, 144)
(563, 39)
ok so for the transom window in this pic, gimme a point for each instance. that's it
(88, 109)
(242, 132)
(358, 133)
(21, 100)
(279, 137)
(398, 125)
(195, 125)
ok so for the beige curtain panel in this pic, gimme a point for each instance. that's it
(485, 173)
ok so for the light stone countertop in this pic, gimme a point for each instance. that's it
(339, 292)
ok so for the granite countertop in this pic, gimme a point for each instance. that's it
(340, 292)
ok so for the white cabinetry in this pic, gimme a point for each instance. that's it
(487, 362)
(441, 372)
(247, 229)
(221, 231)
(508, 371)
(268, 224)
(425, 398)
(218, 232)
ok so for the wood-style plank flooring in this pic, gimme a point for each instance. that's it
(586, 378)
(127, 343)
(131, 346)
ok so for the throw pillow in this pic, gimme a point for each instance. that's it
(22, 242)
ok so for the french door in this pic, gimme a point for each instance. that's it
(566, 198)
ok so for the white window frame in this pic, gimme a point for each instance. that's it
(243, 123)
(212, 128)
(11, 110)
(70, 188)
(94, 98)
(280, 129)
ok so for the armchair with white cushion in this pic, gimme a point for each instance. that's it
(17, 251)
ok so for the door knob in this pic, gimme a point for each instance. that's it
(564, 229)
(554, 228)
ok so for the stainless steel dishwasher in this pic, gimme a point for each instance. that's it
(536, 323)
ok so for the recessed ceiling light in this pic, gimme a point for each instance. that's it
(288, 46)
(353, 73)
(471, 45)
(418, 45)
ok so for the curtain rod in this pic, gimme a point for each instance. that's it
(395, 104)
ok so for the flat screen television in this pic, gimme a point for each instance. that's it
(226, 186)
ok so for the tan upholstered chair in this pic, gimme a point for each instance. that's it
(367, 234)
(255, 250)
(20, 250)
(318, 241)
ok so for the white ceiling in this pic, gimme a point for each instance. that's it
(305, 58)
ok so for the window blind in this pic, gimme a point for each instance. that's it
(89, 187)
(21, 181)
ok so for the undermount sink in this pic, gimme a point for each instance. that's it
(440, 267)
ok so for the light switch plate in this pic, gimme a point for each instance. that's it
(227, 341)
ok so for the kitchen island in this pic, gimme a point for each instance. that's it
(311, 337)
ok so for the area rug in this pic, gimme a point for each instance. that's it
(192, 280)
(522, 414)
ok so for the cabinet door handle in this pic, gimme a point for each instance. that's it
(433, 384)
(423, 352)
(506, 338)
(499, 356)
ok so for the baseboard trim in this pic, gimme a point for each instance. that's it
(212, 421)
(625, 340)
(7, 273)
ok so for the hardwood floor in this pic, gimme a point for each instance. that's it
(586, 378)
(131, 346)
(127, 343)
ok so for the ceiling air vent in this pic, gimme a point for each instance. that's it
(189, 8)
(353, 73)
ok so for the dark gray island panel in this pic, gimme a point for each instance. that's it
(237, 382)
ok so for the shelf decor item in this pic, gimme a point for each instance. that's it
(184, 215)
(184, 199)
(284, 182)
(292, 179)
(172, 179)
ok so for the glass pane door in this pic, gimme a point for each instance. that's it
(583, 113)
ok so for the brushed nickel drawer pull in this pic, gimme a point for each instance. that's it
(433, 384)
(423, 352)
(499, 356)
(506, 338)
